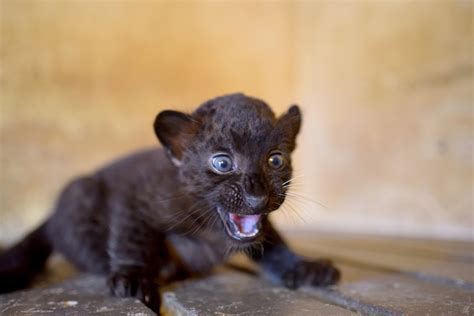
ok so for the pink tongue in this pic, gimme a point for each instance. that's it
(245, 223)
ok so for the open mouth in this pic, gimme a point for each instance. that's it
(241, 227)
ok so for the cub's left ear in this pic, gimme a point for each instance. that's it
(175, 131)
(290, 123)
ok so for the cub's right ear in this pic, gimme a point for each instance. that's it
(175, 131)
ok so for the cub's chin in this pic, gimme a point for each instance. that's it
(240, 227)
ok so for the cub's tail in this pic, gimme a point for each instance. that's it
(21, 263)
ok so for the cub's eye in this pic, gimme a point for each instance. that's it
(222, 163)
(276, 161)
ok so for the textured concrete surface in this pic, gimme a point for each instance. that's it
(410, 297)
(383, 293)
(239, 294)
(82, 295)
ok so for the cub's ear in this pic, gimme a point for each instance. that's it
(289, 124)
(175, 131)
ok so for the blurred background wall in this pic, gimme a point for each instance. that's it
(385, 87)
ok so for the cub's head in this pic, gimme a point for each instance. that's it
(234, 154)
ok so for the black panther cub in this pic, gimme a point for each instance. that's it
(165, 214)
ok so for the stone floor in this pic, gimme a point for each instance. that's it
(381, 276)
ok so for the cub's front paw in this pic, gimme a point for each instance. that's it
(144, 289)
(316, 273)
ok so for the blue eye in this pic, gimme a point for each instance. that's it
(222, 163)
(276, 161)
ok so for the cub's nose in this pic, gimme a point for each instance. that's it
(256, 202)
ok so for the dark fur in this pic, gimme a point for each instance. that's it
(151, 217)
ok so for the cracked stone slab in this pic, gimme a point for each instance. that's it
(411, 297)
(239, 294)
(85, 294)
(396, 294)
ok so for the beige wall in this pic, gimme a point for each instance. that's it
(386, 90)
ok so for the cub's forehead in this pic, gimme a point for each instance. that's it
(234, 108)
(235, 121)
(243, 120)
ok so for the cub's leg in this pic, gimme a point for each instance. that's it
(138, 253)
(285, 267)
